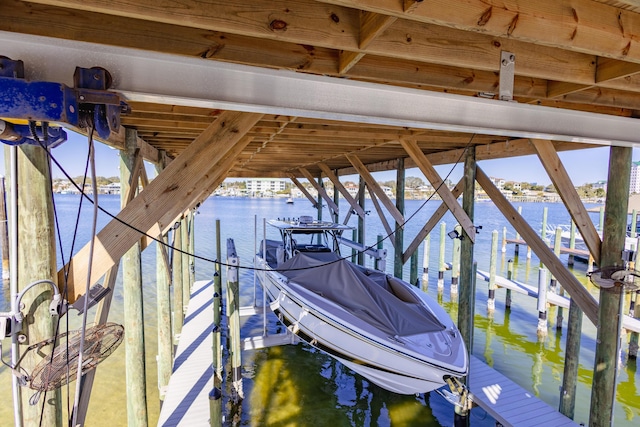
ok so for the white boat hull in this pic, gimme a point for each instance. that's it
(405, 365)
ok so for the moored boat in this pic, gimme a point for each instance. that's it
(379, 326)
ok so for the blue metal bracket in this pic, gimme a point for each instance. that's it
(87, 104)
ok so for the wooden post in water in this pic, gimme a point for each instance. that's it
(543, 230)
(633, 339)
(399, 228)
(571, 361)
(186, 275)
(4, 230)
(361, 228)
(442, 263)
(192, 247)
(425, 261)
(466, 300)
(336, 199)
(609, 311)
(233, 312)
(320, 200)
(163, 292)
(176, 279)
(517, 245)
(133, 301)
(36, 260)
(507, 302)
(542, 302)
(632, 232)
(413, 271)
(504, 239)
(559, 290)
(354, 252)
(165, 345)
(493, 265)
(217, 298)
(455, 261)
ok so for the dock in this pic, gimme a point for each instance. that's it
(187, 402)
(582, 253)
(187, 398)
(507, 402)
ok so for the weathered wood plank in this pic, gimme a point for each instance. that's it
(561, 180)
(181, 183)
(321, 191)
(338, 185)
(577, 291)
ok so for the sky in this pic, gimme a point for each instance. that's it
(583, 166)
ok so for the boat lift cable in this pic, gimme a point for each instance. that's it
(215, 261)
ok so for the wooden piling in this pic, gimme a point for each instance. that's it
(176, 280)
(558, 289)
(425, 262)
(399, 229)
(217, 305)
(455, 262)
(468, 268)
(4, 230)
(571, 361)
(504, 239)
(192, 248)
(516, 251)
(507, 302)
(36, 260)
(542, 302)
(361, 229)
(215, 407)
(413, 269)
(634, 215)
(493, 265)
(442, 265)
(609, 311)
(543, 230)
(233, 313)
(165, 345)
(633, 339)
(186, 276)
(135, 369)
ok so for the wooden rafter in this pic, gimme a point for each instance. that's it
(297, 183)
(179, 185)
(562, 182)
(374, 187)
(321, 191)
(447, 197)
(432, 222)
(338, 186)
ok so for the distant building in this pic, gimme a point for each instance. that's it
(265, 186)
(498, 182)
(603, 185)
(634, 185)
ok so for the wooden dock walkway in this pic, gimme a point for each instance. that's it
(507, 402)
(187, 400)
(583, 253)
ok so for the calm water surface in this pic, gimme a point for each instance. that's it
(299, 386)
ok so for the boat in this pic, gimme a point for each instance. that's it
(290, 200)
(381, 327)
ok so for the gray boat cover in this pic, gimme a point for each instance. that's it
(378, 299)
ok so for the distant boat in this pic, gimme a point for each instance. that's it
(290, 200)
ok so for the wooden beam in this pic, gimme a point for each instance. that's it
(297, 183)
(179, 185)
(557, 89)
(383, 218)
(561, 180)
(411, 147)
(577, 291)
(611, 69)
(321, 191)
(371, 25)
(337, 185)
(432, 222)
(373, 187)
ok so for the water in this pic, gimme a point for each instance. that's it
(299, 386)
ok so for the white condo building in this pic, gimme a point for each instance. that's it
(634, 185)
(265, 185)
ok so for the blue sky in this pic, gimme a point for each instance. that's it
(584, 166)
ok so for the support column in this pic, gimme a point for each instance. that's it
(176, 279)
(319, 202)
(36, 260)
(336, 200)
(571, 361)
(361, 220)
(163, 290)
(133, 308)
(4, 230)
(399, 229)
(609, 311)
(466, 298)
(467, 291)
(186, 276)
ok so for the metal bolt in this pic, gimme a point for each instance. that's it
(81, 97)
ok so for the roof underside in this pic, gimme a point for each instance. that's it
(580, 55)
